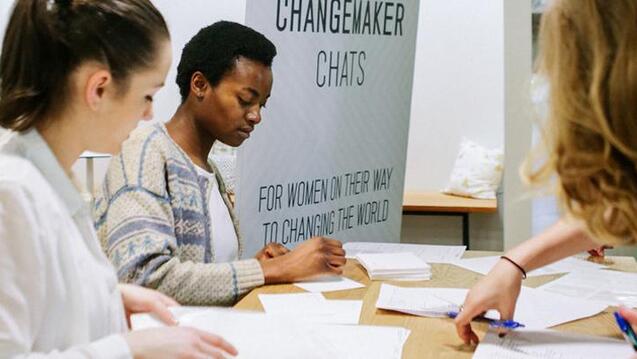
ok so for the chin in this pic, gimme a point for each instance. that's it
(233, 142)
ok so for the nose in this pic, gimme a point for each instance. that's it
(148, 113)
(254, 116)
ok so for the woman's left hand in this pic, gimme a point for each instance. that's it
(270, 251)
(143, 300)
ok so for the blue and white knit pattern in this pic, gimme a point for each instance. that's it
(153, 222)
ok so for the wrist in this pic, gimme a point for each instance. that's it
(513, 264)
(272, 272)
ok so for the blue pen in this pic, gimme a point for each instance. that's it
(493, 323)
(627, 330)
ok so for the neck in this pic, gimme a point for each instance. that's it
(65, 141)
(190, 136)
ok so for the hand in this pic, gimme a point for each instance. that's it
(142, 300)
(497, 290)
(599, 251)
(272, 250)
(313, 258)
(177, 342)
(630, 315)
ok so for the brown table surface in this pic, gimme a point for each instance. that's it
(440, 202)
(436, 337)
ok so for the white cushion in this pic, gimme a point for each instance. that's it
(477, 172)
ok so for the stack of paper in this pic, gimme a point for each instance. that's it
(535, 308)
(548, 344)
(394, 266)
(426, 252)
(312, 307)
(259, 335)
(483, 265)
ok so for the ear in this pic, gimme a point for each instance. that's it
(96, 87)
(198, 85)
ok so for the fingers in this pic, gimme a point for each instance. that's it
(209, 351)
(275, 250)
(506, 313)
(463, 325)
(217, 342)
(630, 315)
(333, 243)
(166, 300)
(161, 311)
(336, 261)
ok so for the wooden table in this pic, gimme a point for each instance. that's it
(436, 337)
(440, 204)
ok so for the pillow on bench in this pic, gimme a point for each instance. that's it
(477, 171)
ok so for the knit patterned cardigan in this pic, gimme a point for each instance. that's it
(153, 222)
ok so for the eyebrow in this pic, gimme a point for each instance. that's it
(254, 92)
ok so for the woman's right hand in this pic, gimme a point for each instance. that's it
(177, 342)
(313, 258)
(498, 290)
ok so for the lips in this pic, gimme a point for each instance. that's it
(245, 131)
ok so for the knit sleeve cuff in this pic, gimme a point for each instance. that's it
(248, 275)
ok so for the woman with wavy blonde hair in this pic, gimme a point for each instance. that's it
(588, 54)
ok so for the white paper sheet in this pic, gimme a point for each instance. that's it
(258, 335)
(483, 265)
(611, 287)
(312, 307)
(548, 344)
(535, 308)
(329, 284)
(426, 252)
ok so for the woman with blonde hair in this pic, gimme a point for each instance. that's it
(588, 54)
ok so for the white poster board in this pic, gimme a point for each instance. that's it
(328, 158)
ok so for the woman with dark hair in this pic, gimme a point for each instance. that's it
(164, 217)
(75, 76)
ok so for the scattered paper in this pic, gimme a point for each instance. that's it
(535, 308)
(428, 253)
(312, 307)
(394, 266)
(483, 265)
(426, 302)
(548, 344)
(259, 335)
(608, 286)
(329, 284)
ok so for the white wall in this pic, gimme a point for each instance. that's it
(458, 86)
(470, 56)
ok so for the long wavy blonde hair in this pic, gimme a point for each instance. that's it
(588, 53)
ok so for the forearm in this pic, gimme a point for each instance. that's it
(206, 283)
(559, 241)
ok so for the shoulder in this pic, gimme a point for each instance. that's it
(24, 192)
(142, 160)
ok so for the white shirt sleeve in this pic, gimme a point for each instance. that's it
(23, 269)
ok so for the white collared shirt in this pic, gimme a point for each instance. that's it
(58, 291)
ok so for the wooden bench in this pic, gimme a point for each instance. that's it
(440, 204)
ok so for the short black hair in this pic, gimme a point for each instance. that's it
(215, 49)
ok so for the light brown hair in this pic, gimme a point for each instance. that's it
(588, 53)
